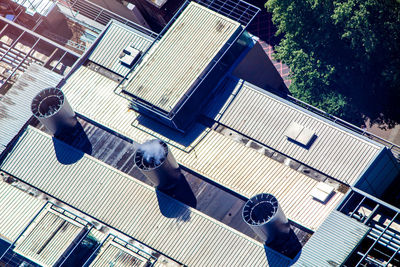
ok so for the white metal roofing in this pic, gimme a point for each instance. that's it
(15, 106)
(182, 55)
(47, 238)
(216, 156)
(17, 209)
(336, 238)
(265, 118)
(118, 200)
(112, 43)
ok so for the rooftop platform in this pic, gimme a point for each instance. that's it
(131, 206)
(181, 57)
(247, 172)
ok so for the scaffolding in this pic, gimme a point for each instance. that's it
(381, 245)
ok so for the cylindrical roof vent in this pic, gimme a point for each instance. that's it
(155, 161)
(52, 109)
(265, 216)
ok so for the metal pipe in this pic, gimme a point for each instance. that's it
(366, 253)
(265, 217)
(52, 109)
(155, 161)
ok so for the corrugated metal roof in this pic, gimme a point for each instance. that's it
(15, 106)
(107, 194)
(111, 45)
(333, 242)
(114, 254)
(265, 118)
(247, 172)
(47, 238)
(182, 55)
(17, 209)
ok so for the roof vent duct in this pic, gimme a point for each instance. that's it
(265, 216)
(155, 161)
(52, 109)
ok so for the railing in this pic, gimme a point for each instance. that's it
(393, 147)
(237, 10)
(64, 41)
(101, 15)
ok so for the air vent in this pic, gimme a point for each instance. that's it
(129, 56)
(300, 134)
(52, 109)
(322, 191)
(155, 161)
(265, 216)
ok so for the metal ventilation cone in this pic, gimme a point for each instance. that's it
(52, 109)
(155, 161)
(265, 216)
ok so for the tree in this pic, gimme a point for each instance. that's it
(344, 55)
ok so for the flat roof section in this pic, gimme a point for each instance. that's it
(48, 237)
(248, 172)
(114, 40)
(267, 118)
(181, 57)
(131, 206)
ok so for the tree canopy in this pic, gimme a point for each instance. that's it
(344, 55)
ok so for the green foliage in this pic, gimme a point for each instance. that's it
(344, 55)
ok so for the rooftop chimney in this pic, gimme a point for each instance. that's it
(265, 216)
(155, 161)
(52, 109)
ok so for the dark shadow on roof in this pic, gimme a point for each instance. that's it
(65, 155)
(287, 244)
(181, 192)
(76, 138)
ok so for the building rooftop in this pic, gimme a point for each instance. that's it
(116, 252)
(15, 105)
(17, 210)
(265, 118)
(132, 207)
(49, 236)
(242, 141)
(248, 173)
(333, 242)
(181, 57)
(107, 52)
